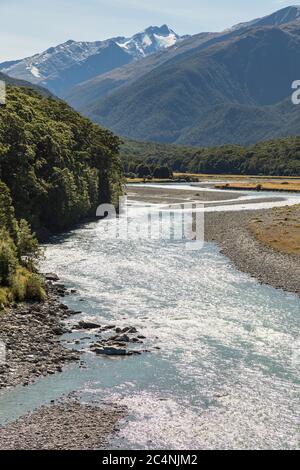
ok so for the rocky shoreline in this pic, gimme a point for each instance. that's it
(31, 334)
(231, 231)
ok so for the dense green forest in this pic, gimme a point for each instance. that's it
(276, 157)
(56, 167)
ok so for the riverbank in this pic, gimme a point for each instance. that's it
(31, 334)
(68, 425)
(232, 232)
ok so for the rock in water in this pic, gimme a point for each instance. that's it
(84, 325)
(52, 277)
(112, 351)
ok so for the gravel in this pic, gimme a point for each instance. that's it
(230, 230)
(63, 426)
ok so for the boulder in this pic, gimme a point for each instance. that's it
(85, 325)
(52, 277)
(112, 351)
(130, 330)
(120, 338)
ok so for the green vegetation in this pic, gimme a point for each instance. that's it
(277, 157)
(19, 252)
(58, 165)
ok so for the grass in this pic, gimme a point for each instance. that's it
(6, 297)
(24, 286)
(145, 180)
(286, 185)
(279, 229)
(241, 182)
(235, 177)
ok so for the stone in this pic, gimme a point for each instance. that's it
(111, 351)
(84, 325)
(52, 277)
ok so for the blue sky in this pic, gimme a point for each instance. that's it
(30, 26)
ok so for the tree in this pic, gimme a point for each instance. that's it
(143, 171)
(163, 172)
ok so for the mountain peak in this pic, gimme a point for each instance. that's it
(51, 66)
(151, 40)
(164, 29)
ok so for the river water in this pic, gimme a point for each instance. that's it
(227, 371)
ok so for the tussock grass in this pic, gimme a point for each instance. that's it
(288, 186)
(279, 229)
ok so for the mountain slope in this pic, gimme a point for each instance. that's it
(65, 65)
(22, 83)
(86, 93)
(281, 17)
(190, 99)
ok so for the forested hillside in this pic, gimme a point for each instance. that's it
(57, 165)
(276, 157)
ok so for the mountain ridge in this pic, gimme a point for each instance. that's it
(190, 99)
(60, 67)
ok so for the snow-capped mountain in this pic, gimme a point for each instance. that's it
(70, 63)
(149, 41)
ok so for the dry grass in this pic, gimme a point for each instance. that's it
(237, 177)
(145, 180)
(279, 229)
(286, 185)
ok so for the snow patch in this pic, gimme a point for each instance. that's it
(34, 70)
(166, 41)
(147, 41)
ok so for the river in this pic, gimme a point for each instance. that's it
(227, 371)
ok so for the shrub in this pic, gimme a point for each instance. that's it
(27, 246)
(5, 297)
(35, 288)
(19, 284)
(8, 261)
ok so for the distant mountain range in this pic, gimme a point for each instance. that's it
(65, 65)
(204, 90)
